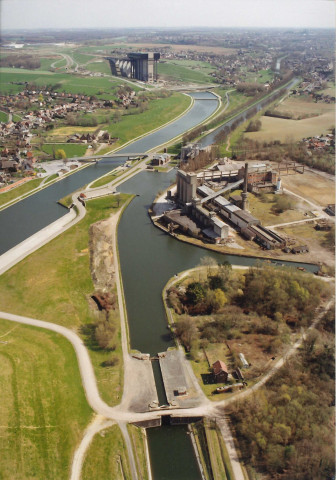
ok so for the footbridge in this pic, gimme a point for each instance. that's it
(96, 158)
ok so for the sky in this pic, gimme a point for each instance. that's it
(33, 14)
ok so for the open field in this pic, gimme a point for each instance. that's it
(20, 190)
(66, 131)
(262, 76)
(3, 116)
(281, 129)
(302, 106)
(54, 284)
(106, 457)
(176, 72)
(102, 87)
(330, 90)
(312, 186)
(319, 246)
(102, 67)
(70, 149)
(43, 406)
(263, 209)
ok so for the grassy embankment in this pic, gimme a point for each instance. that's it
(138, 438)
(212, 450)
(54, 284)
(106, 457)
(43, 406)
(18, 191)
(175, 71)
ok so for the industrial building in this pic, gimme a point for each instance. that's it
(140, 66)
(204, 212)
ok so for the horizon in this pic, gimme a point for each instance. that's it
(104, 14)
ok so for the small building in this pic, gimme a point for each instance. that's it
(161, 159)
(181, 391)
(300, 249)
(330, 210)
(220, 371)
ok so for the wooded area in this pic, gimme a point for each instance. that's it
(286, 429)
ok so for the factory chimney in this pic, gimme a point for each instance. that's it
(244, 194)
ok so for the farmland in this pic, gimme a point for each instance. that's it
(302, 107)
(283, 130)
(43, 415)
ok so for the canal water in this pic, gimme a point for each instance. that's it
(148, 258)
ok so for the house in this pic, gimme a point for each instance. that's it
(220, 371)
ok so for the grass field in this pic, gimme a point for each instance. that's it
(66, 131)
(262, 76)
(3, 116)
(283, 130)
(263, 209)
(176, 72)
(102, 67)
(43, 406)
(18, 191)
(106, 457)
(70, 149)
(102, 87)
(54, 284)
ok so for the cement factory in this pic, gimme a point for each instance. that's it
(140, 66)
(202, 211)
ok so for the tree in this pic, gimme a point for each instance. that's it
(60, 154)
(195, 293)
(187, 332)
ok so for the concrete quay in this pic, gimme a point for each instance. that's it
(178, 383)
(140, 393)
(28, 246)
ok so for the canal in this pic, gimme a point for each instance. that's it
(148, 258)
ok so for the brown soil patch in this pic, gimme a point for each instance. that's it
(101, 255)
(311, 186)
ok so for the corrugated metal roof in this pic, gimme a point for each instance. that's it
(205, 190)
